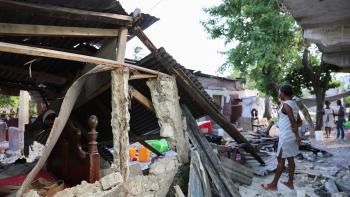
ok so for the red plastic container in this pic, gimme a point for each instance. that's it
(206, 124)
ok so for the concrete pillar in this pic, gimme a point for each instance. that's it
(165, 100)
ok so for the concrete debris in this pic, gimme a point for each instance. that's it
(339, 194)
(156, 184)
(164, 165)
(331, 187)
(84, 189)
(35, 151)
(111, 180)
(135, 170)
(343, 185)
(31, 193)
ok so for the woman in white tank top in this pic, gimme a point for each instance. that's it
(289, 139)
(328, 119)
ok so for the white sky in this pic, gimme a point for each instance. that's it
(179, 31)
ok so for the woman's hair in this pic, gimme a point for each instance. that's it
(327, 102)
(287, 90)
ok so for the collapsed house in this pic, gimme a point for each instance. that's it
(70, 55)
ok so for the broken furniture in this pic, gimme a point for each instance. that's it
(69, 161)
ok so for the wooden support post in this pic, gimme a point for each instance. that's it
(120, 111)
(23, 114)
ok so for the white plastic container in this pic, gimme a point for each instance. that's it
(15, 138)
(220, 132)
(319, 135)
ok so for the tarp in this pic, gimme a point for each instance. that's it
(311, 102)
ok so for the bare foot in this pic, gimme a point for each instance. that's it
(269, 187)
(289, 185)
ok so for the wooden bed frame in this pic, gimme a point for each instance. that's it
(69, 161)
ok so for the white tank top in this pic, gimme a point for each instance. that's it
(285, 127)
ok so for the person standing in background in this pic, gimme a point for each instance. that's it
(340, 120)
(328, 119)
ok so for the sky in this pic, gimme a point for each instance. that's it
(180, 32)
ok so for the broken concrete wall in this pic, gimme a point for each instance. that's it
(120, 119)
(156, 184)
(166, 104)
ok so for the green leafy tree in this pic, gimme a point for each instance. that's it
(268, 48)
(266, 38)
(314, 75)
(9, 101)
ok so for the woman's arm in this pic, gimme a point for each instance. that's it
(299, 121)
(293, 122)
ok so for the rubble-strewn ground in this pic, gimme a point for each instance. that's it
(313, 173)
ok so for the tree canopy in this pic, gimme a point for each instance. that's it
(267, 40)
(9, 101)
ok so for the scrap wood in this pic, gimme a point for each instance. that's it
(179, 192)
(199, 185)
(308, 147)
(213, 165)
(313, 173)
(237, 172)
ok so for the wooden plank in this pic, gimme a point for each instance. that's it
(35, 51)
(66, 13)
(236, 177)
(145, 137)
(185, 82)
(10, 29)
(235, 166)
(179, 192)
(36, 75)
(142, 76)
(145, 40)
(237, 172)
(198, 184)
(212, 164)
(144, 101)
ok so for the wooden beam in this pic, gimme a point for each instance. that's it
(145, 137)
(10, 29)
(35, 51)
(66, 13)
(18, 86)
(145, 144)
(36, 75)
(142, 76)
(145, 40)
(144, 101)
